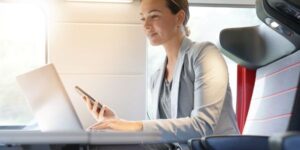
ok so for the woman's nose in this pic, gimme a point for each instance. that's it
(147, 24)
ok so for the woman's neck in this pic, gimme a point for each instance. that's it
(172, 48)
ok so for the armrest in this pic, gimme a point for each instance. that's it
(286, 141)
(230, 142)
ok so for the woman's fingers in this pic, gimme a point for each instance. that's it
(87, 102)
(102, 125)
(98, 114)
(91, 126)
(101, 113)
(99, 126)
(94, 108)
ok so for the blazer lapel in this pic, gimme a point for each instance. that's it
(156, 92)
(186, 43)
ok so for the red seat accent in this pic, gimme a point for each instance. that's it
(245, 84)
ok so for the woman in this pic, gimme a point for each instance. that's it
(190, 93)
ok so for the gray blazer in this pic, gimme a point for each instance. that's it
(200, 98)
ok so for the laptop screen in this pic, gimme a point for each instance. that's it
(48, 100)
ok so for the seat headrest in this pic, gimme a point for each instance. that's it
(257, 46)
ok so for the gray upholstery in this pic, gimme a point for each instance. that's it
(275, 108)
(275, 92)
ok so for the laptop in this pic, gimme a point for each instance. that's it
(56, 115)
(49, 100)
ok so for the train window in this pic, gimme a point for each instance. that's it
(22, 47)
(205, 24)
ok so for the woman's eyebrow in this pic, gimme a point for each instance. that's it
(151, 11)
(154, 10)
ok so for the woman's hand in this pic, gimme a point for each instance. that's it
(99, 115)
(118, 125)
(107, 119)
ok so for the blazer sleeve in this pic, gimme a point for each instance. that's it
(210, 85)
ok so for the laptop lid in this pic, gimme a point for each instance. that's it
(48, 99)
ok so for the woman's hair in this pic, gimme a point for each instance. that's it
(175, 6)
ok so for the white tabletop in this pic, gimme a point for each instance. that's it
(99, 137)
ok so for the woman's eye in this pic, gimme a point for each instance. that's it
(154, 16)
(142, 19)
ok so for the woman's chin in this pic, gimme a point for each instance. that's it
(155, 42)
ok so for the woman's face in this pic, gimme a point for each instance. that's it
(160, 25)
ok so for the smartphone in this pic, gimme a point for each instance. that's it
(83, 93)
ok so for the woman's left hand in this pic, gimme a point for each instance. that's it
(118, 125)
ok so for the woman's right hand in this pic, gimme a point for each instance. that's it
(99, 114)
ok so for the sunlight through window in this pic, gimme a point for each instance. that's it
(22, 47)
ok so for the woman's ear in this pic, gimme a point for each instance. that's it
(180, 17)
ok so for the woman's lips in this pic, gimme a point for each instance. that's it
(151, 35)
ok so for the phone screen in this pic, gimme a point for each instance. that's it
(83, 93)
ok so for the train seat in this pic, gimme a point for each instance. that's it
(275, 102)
